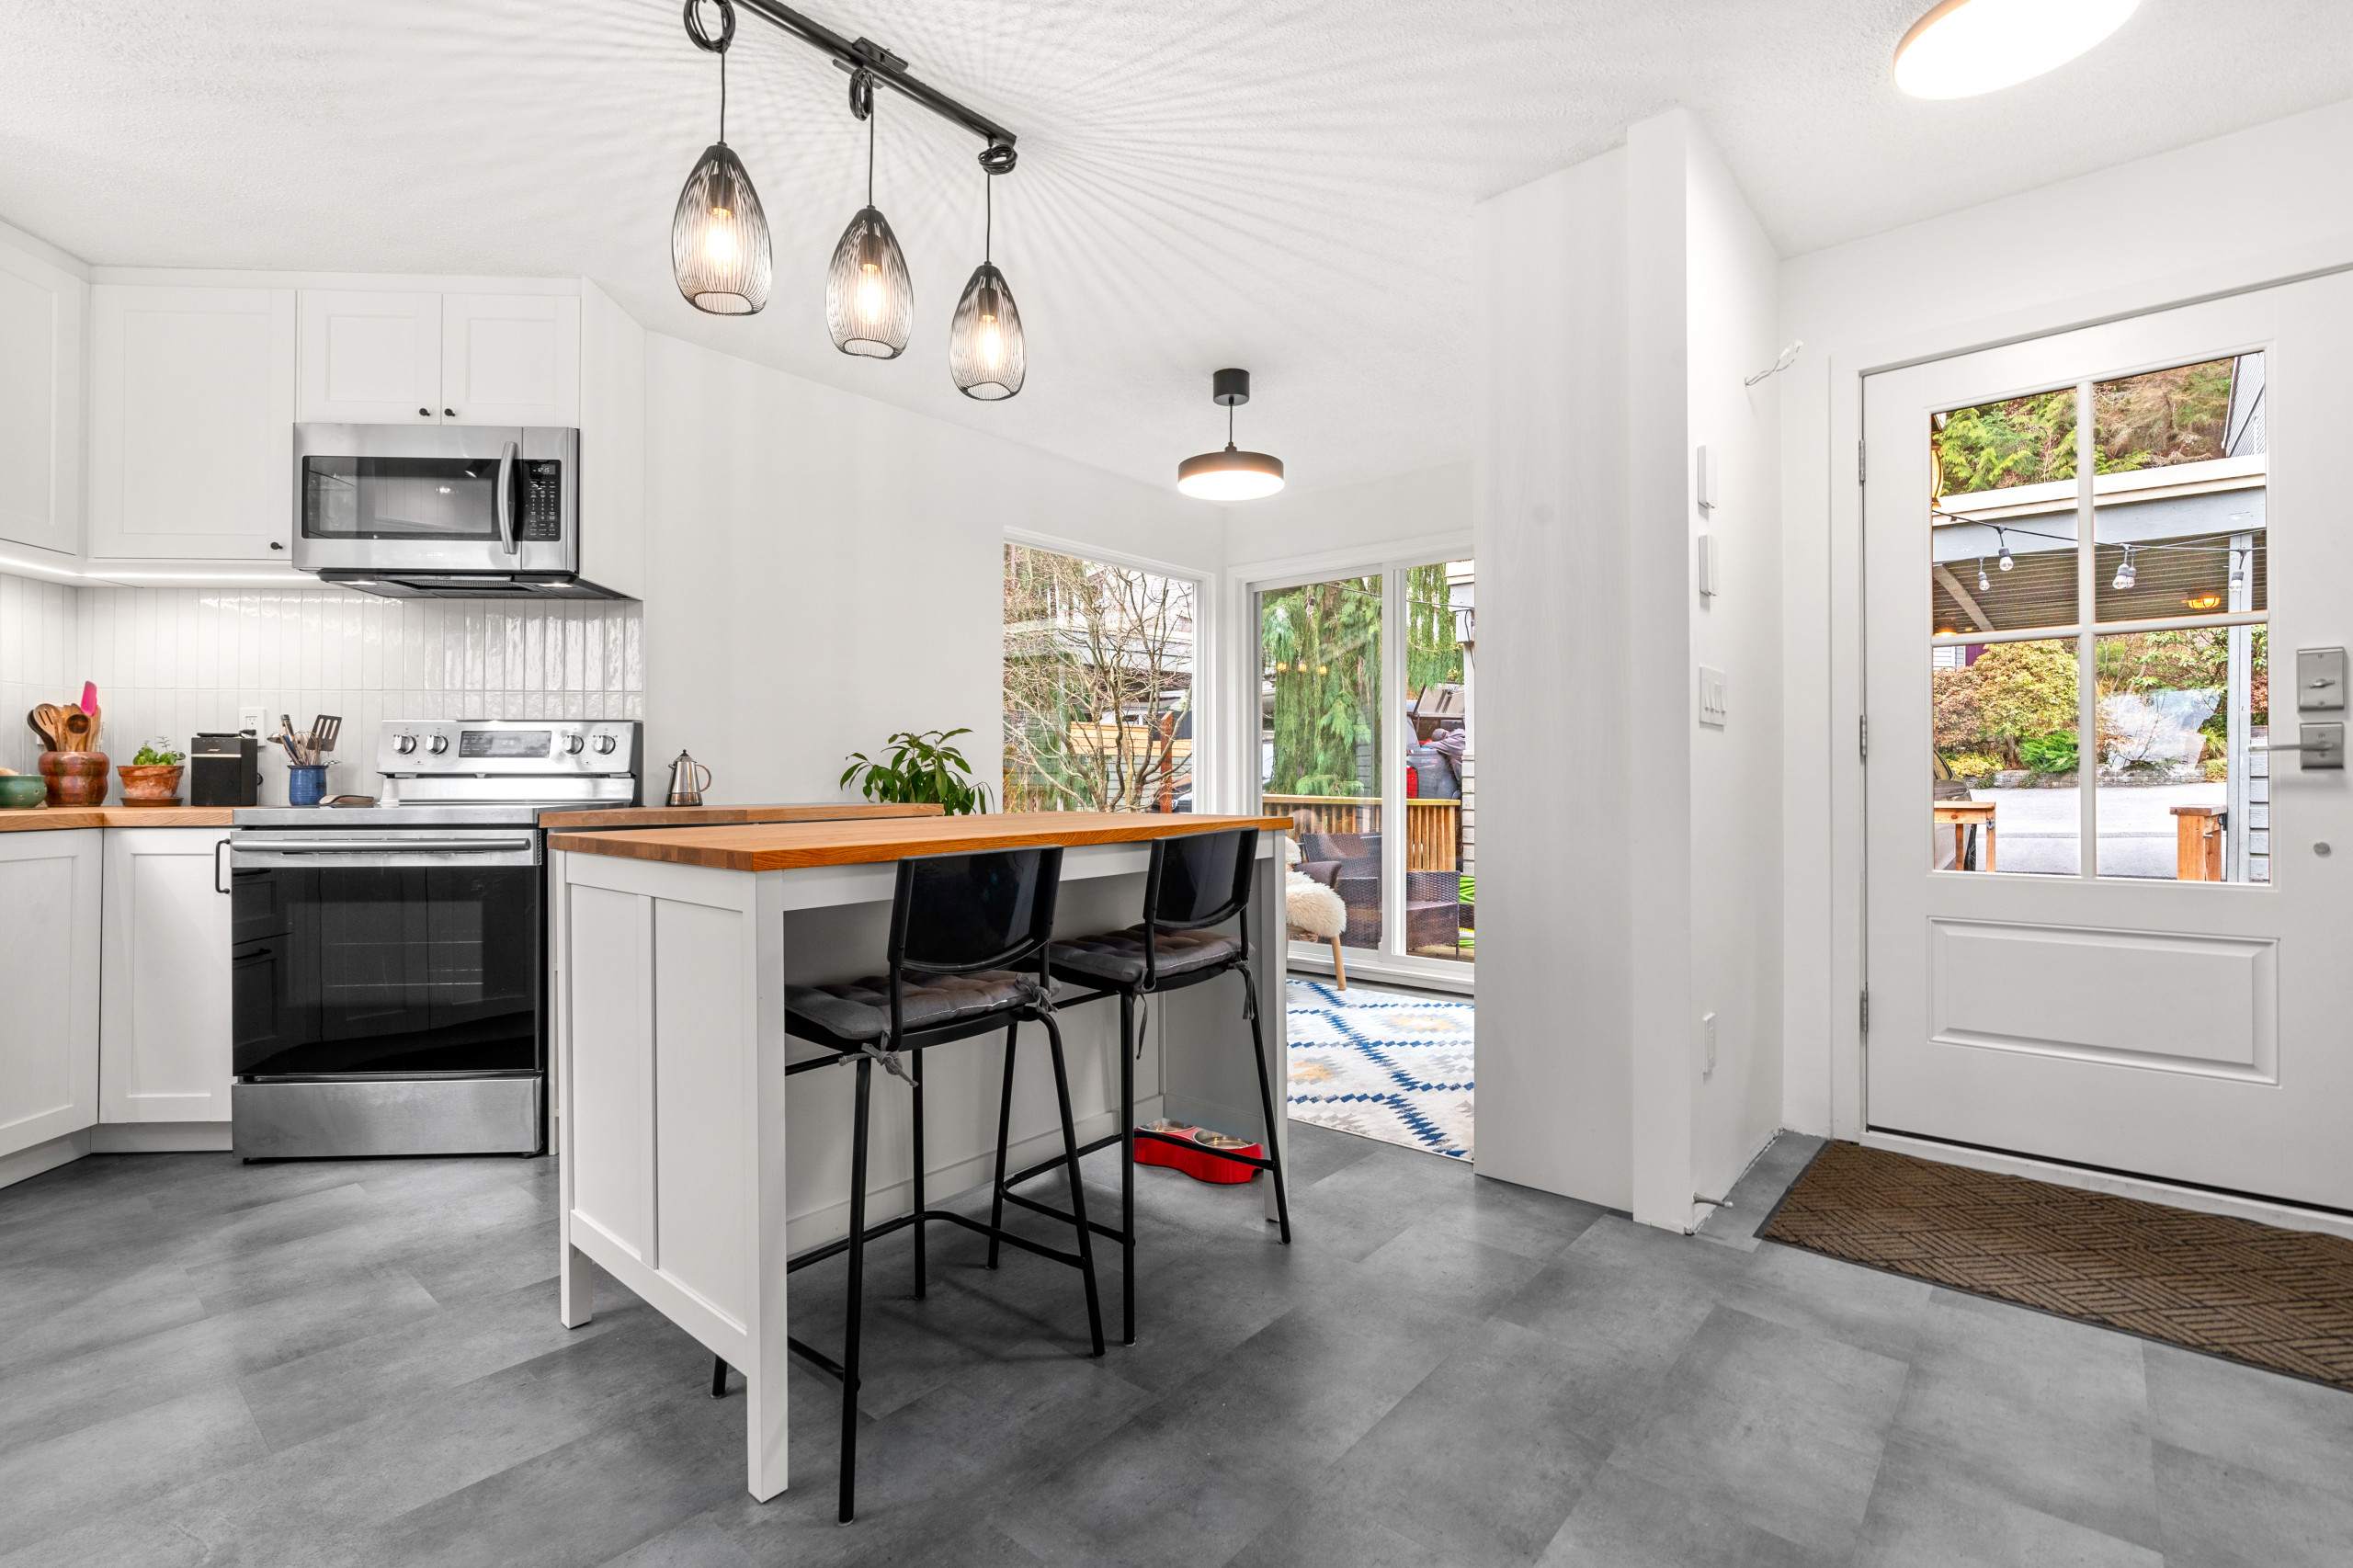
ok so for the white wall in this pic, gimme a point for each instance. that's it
(37, 662)
(824, 569)
(1369, 519)
(2261, 205)
(1629, 853)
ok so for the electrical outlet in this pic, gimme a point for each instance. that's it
(1707, 1045)
(250, 719)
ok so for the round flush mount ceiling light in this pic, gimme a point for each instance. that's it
(1963, 48)
(1230, 475)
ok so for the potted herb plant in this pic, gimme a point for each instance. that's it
(921, 768)
(152, 778)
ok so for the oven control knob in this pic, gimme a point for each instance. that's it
(438, 745)
(574, 743)
(406, 745)
(605, 744)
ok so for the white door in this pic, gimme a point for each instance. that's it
(2105, 927)
(510, 359)
(192, 422)
(49, 974)
(371, 359)
(164, 1039)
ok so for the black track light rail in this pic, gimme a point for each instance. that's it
(855, 55)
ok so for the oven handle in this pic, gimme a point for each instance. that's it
(379, 846)
(506, 455)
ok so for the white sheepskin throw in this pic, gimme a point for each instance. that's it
(1313, 907)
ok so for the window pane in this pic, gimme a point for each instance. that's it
(2002, 515)
(1098, 687)
(1320, 738)
(2004, 759)
(2177, 710)
(2179, 523)
(1441, 786)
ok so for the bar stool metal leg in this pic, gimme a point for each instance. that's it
(1266, 1110)
(857, 1292)
(1077, 1190)
(915, 1082)
(1127, 1170)
(1004, 1129)
(718, 1376)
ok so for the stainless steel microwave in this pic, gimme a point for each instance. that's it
(440, 511)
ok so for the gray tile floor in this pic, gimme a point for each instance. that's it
(203, 1362)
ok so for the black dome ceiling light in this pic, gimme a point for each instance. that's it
(986, 357)
(1230, 475)
(719, 236)
(870, 299)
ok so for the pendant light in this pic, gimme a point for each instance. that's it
(1963, 48)
(2003, 559)
(986, 359)
(870, 300)
(1230, 475)
(719, 236)
(2126, 575)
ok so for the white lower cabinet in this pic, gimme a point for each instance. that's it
(49, 986)
(163, 1052)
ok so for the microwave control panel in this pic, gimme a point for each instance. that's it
(542, 517)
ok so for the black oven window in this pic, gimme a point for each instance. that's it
(396, 970)
(433, 498)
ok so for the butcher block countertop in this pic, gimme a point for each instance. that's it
(792, 847)
(55, 818)
(727, 817)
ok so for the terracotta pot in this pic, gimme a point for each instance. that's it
(75, 777)
(155, 782)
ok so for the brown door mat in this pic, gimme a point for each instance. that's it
(2281, 1300)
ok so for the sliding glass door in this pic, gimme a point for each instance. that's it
(1366, 741)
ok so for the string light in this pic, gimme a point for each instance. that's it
(2003, 540)
(1983, 585)
(2125, 575)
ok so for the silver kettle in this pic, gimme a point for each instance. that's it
(688, 779)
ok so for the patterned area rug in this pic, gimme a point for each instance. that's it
(1381, 1065)
(2281, 1300)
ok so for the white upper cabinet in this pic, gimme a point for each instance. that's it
(510, 359)
(371, 359)
(192, 422)
(41, 404)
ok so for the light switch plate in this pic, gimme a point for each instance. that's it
(1704, 479)
(1715, 698)
(2320, 680)
(1710, 573)
(1707, 1045)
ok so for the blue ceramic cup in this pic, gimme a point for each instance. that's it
(306, 786)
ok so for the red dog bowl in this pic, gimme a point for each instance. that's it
(1195, 1161)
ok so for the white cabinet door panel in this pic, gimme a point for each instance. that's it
(511, 359)
(41, 404)
(49, 974)
(192, 422)
(163, 1042)
(371, 359)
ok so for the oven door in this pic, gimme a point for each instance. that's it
(385, 955)
(443, 498)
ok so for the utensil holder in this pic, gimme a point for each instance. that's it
(306, 786)
(75, 777)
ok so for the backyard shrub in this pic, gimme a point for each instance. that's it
(2053, 752)
(1974, 765)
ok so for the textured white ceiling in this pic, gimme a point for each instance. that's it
(1282, 185)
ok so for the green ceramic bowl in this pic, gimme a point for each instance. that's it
(22, 789)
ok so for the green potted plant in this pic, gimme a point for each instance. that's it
(152, 778)
(921, 768)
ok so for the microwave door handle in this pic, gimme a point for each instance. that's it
(506, 456)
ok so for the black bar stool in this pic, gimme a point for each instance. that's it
(967, 958)
(1193, 882)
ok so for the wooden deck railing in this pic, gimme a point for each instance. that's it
(1433, 828)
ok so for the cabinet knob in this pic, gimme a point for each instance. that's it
(448, 414)
(425, 414)
(276, 545)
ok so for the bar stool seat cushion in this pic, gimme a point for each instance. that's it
(1118, 956)
(861, 1009)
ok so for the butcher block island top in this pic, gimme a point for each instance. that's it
(59, 818)
(728, 816)
(789, 847)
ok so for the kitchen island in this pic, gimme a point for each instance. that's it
(688, 1171)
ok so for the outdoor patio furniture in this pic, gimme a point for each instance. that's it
(2198, 842)
(1967, 817)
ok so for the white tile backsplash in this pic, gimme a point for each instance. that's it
(170, 662)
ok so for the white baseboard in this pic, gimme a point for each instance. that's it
(160, 1137)
(1373, 969)
(2287, 1216)
(28, 1163)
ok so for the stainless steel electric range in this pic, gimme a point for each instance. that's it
(389, 979)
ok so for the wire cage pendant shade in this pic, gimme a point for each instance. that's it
(870, 300)
(986, 358)
(719, 237)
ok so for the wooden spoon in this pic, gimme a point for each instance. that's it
(79, 728)
(50, 720)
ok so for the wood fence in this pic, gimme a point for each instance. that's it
(1433, 828)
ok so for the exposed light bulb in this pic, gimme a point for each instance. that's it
(2238, 571)
(992, 343)
(870, 294)
(2005, 562)
(719, 245)
(1983, 585)
(1963, 48)
(2125, 575)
